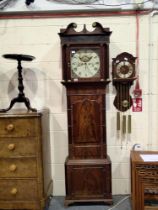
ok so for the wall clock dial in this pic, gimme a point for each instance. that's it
(85, 63)
(123, 66)
(85, 58)
(124, 69)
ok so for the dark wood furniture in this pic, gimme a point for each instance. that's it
(123, 74)
(21, 161)
(144, 182)
(85, 57)
(21, 98)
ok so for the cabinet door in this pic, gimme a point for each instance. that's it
(88, 181)
(85, 118)
(86, 121)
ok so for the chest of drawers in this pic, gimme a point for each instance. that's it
(21, 161)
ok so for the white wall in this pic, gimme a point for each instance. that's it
(53, 5)
(39, 37)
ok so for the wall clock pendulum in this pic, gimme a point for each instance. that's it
(123, 74)
(85, 64)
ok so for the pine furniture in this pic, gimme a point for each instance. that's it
(21, 161)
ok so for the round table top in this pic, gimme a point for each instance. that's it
(20, 57)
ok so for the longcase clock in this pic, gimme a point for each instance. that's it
(85, 64)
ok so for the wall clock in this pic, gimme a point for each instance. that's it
(85, 64)
(123, 73)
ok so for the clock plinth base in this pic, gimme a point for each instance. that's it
(88, 180)
(69, 202)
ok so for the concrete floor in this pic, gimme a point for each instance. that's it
(121, 202)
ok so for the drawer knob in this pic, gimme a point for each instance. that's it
(11, 147)
(10, 127)
(13, 167)
(13, 191)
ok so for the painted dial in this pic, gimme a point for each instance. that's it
(85, 63)
(124, 69)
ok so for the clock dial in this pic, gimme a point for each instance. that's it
(124, 69)
(85, 63)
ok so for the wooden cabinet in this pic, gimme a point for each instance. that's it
(144, 177)
(21, 161)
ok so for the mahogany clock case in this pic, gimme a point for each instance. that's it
(87, 167)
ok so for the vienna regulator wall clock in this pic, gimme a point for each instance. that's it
(85, 64)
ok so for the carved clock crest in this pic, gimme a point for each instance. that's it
(85, 64)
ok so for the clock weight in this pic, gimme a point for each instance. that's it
(123, 74)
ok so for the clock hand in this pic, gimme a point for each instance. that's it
(80, 64)
(87, 67)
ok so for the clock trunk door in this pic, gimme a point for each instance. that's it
(86, 126)
(86, 121)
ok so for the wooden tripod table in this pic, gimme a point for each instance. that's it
(21, 96)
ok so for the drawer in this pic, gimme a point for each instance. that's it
(15, 147)
(18, 190)
(18, 127)
(18, 167)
